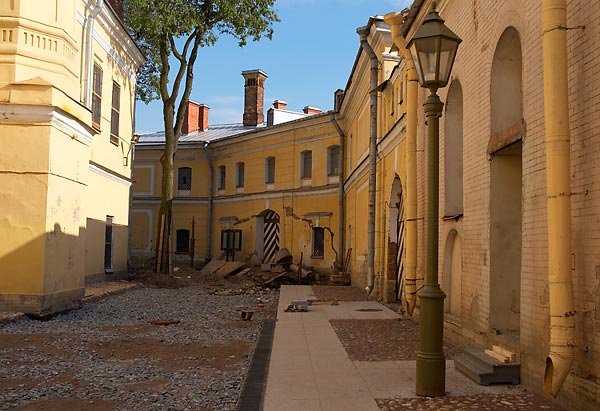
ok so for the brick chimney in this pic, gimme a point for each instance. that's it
(196, 118)
(280, 104)
(254, 93)
(312, 110)
(117, 6)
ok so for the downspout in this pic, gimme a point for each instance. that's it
(341, 209)
(558, 186)
(89, 34)
(394, 20)
(364, 32)
(210, 203)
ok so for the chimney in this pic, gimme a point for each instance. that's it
(279, 104)
(311, 110)
(117, 6)
(254, 93)
(196, 118)
(203, 117)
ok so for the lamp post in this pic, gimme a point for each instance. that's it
(433, 48)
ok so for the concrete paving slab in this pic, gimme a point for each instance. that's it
(311, 371)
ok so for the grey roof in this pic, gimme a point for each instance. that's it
(213, 133)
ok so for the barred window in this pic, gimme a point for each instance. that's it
(184, 178)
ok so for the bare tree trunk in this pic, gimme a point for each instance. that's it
(167, 161)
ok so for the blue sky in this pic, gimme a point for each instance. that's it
(311, 55)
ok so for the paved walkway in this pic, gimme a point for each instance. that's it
(310, 370)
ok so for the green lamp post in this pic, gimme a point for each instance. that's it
(433, 48)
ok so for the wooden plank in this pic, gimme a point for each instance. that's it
(503, 351)
(497, 356)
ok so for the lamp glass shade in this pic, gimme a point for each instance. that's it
(433, 49)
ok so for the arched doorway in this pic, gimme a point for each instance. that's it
(506, 165)
(453, 273)
(395, 264)
(267, 235)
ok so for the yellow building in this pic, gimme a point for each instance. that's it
(67, 88)
(277, 183)
(499, 253)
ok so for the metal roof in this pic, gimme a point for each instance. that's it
(213, 133)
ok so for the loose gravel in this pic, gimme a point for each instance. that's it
(107, 355)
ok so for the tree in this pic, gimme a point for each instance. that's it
(158, 27)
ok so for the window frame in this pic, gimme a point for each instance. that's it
(315, 250)
(178, 242)
(180, 184)
(115, 114)
(97, 96)
(221, 177)
(306, 171)
(333, 168)
(270, 170)
(239, 174)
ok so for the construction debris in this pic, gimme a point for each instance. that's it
(297, 306)
(501, 354)
(247, 315)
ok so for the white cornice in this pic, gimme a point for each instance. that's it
(122, 38)
(110, 176)
(32, 114)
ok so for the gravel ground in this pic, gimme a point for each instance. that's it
(107, 356)
(383, 340)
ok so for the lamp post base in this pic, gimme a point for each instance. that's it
(431, 364)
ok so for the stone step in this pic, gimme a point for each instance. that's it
(485, 370)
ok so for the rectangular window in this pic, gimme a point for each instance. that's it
(184, 178)
(270, 170)
(221, 175)
(108, 243)
(306, 164)
(182, 241)
(333, 161)
(97, 97)
(239, 175)
(318, 242)
(114, 114)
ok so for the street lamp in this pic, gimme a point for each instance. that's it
(433, 48)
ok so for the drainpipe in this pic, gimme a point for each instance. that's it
(363, 33)
(210, 202)
(341, 210)
(558, 189)
(87, 46)
(394, 20)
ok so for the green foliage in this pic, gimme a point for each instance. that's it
(155, 24)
